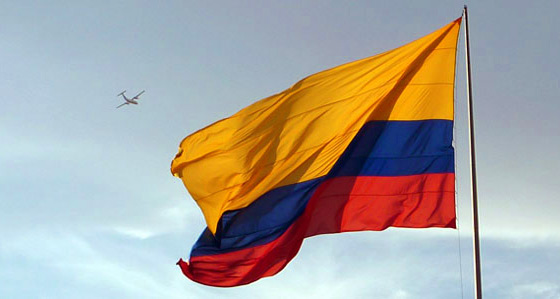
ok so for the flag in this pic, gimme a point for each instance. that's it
(362, 146)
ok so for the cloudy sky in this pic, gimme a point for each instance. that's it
(89, 209)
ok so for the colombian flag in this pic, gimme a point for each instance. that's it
(362, 146)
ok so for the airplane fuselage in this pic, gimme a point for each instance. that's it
(127, 100)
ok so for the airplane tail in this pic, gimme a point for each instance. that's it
(120, 94)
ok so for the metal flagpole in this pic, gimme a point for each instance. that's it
(476, 240)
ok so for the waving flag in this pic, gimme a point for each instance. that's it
(362, 146)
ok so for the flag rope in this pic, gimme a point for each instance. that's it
(456, 184)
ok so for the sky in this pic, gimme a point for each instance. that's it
(89, 208)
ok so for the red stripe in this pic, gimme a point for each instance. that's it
(339, 205)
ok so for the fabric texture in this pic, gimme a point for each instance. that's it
(362, 146)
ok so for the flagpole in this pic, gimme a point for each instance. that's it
(476, 239)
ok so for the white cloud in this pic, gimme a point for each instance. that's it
(174, 217)
(537, 289)
(400, 294)
(134, 233)
(88, 263)
(397, 264)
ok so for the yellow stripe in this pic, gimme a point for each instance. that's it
(299, 134)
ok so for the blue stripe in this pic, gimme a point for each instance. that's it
(381, 148)
(261, 222)
(395, 148)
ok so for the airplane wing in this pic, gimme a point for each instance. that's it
(138, 95)
(119, 106)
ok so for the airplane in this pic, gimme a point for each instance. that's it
(131, 100)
